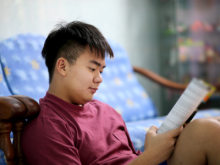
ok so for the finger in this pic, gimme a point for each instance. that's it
(175, 132)
(153, 128)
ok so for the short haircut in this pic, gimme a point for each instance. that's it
(69, 40)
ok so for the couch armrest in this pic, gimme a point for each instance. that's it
(163, 81)
(159, 79)
(13, 112)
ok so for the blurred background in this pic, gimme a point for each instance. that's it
(178, 39)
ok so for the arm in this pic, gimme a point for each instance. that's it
(49, 141)
(158, 147)
(159, 79)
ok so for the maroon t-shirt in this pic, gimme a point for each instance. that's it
(65, 134)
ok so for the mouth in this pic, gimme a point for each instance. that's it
(93, 90)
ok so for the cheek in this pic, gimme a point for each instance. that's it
(87, 79)
(82, 79)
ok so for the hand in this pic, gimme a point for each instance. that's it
(160, 146)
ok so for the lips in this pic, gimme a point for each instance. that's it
(93, 90)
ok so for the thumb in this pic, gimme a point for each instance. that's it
(175, 132)
(153, 129)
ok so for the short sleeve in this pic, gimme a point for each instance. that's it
(130, 142)
(50, 142)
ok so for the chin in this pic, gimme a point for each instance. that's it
(86, 100)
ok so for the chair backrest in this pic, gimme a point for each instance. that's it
(26, 74)
(24, 67)
(121, 89)
(4, 91)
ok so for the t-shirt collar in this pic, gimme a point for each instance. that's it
(66, 105)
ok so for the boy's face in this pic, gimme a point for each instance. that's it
(83, 77)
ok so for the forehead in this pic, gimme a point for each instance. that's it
(87, 56)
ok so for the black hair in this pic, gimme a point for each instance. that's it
(69, 40)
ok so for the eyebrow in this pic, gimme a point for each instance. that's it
(97, 63)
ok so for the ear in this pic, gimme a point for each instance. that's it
(61, 66)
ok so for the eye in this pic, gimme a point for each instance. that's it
(92, 69)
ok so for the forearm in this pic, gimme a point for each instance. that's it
(144, 159)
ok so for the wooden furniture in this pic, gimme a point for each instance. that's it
(13, 112)
(15, 109)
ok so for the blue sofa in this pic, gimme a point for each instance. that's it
(23, 72)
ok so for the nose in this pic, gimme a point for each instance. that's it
(98, 78)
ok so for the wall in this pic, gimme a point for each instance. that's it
(132, 23)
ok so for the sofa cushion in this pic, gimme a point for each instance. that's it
(4, 91)
(121, 90)
(137, 130)
(25, 70)
(3, 160)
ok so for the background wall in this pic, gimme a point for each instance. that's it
(132, 23)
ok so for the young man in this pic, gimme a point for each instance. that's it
(74, 129)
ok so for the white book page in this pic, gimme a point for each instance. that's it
(185, 106)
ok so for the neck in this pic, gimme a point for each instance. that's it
(55, 90)
(58, 91)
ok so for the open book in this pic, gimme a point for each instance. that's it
(194, 94)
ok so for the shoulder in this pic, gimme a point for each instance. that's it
(99, 104)
(44, 125)
(47, 131)
(48, 122)
(104, 107)
(48, 112)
